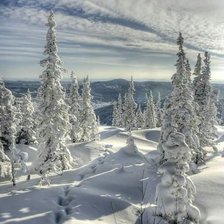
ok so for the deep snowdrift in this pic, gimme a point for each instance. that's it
(113, 184)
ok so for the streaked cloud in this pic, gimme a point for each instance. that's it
(110, 38)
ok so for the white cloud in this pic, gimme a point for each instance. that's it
(117, 29)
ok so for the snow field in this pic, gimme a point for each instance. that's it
(114, 183)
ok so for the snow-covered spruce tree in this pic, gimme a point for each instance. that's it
(98, 121)
(54, 118)
(124, 107)
(88, 118)
(210, 114)
(175, 193)
(158, 111)
(179, 109)
(5, 164)
(188, 73)
(129, 107)
(212, 111)
(197, 84)
(202, 94)
(150, 113)
(8, 123)
(18, 114)
(115, 114)
(7, 117)
(26, 133)
(221, 111)
(119, 111)
(74, 113)
(140, 119)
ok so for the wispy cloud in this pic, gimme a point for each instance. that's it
(108, 34)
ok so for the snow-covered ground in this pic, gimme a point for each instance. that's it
(114, 184)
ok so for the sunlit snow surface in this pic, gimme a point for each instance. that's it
(113, 184)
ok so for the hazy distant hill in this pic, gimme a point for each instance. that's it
(107, 92)
(102, 91)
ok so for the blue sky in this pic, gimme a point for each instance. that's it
(108, 39)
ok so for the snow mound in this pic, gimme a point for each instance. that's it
(210, 191)
(86, 152)
(115, 183)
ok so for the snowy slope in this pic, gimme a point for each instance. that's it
(112, 185)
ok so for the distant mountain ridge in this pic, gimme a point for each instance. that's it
(106, 92)
(102, 91)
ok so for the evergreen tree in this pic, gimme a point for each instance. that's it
(129, 107)
(197, 84)
(158, 111)
(26, 133)
(8, 119)
(74, 102)
(119, 111)
(188, 73)
(98, 121)
(124, 108)
(115, 115)
(180, 78)
(150, 114)
(140, 119)
(206, 99)
(212, 111)
(175, 193)
(18, 115)
(89, 120)
(5, 164)
(197, 79)
(54, 118)
(206, 76)
(221, 111)
(179, 109)
(8, 126)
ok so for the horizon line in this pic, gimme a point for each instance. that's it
(103, 80)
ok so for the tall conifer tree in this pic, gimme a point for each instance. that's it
(150, 113)
(206, 99)
(74, 112)
(129, 107)
(26, 133)
(179, 110)
(158, 111)
(54, 117)
(89, 121)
